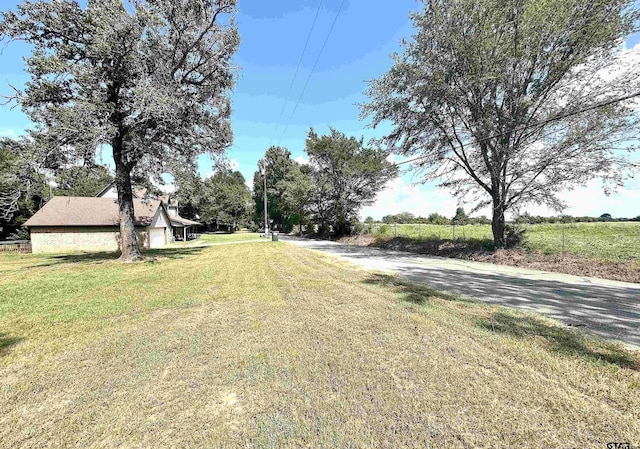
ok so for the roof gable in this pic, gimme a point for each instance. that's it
(138, 192)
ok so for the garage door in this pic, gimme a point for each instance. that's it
(156, 237)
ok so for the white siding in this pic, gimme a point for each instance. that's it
(157, 237)
(111, 193)
(160, 220)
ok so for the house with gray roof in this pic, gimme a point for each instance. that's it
(181, 227)
(68, 223)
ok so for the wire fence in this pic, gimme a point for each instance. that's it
(17, 246)
(604, 240)
(430, 231)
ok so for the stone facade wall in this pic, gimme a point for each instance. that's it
(78, 238)
(66, 239)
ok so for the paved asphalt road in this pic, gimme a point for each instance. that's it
(609, 308)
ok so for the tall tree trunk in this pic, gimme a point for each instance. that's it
(498, 223)
(130, 250)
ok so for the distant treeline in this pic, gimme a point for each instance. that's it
(461, 219)
(437, 219)
(534, 219)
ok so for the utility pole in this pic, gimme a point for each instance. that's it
(263, 172)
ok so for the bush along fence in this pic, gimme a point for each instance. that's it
(15, 246)
(615, 241)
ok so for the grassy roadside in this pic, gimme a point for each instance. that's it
(606, 241)
(269, 345)
(626, 270)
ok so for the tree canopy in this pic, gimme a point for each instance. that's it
(510, 102)
(82, 180)
(23, 185)
(152, 80)
(225, 200)
(281, 171)
(346, 176)
(342, 176)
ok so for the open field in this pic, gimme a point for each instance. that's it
(606, 241)
(270, 345)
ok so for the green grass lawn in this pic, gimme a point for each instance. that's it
(235, 237)
(606, 241)
(218, 237)
(270, 345)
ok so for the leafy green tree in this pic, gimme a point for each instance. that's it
(368, 220)
(346, 175)
(85, 180)
(189, 190)
(510, 102)
(153, 81)
(226, 200)
(296, 188)
(279, 168)
(23, 185)
(461, 217)
(438, 219)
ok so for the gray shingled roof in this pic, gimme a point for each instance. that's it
(182, 222)
(90, 211)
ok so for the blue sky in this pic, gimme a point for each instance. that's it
(273, 36)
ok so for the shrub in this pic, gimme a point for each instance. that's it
(385, 231)
(515, 236)
(360, 228)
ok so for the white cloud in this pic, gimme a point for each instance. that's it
(633, 184)
(422, 200)
(10, 133)
(400, 196)
(234, 164)
(168, 188)
(302, 160)
(592, 201)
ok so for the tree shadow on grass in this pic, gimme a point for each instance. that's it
(7, 342)
(412, 292)
(562, 340)
(149, 256)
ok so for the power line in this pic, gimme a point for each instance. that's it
(326, 39)
(544, 122)
(295, 75)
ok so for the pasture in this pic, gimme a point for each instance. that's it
(269, 345)
(610, 241)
